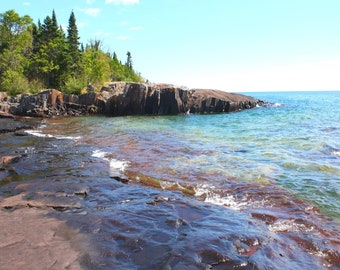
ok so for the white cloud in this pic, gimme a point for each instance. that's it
(122, 2)
(123, 37)
(92, 11)
(26, 3)
(136, 28)
(89, 2)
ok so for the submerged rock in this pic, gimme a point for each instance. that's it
(122, 98)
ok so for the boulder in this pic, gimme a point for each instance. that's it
(45, 103)
(3, 96)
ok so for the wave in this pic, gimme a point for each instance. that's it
(336, 153)
(269, 104)
(38, 133)
(209, 196)
(117, 167)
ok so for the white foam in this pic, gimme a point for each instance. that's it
(214, 198)
(289, 226)
(117, 167)
(99, 154)
(336, 153)
(38, 133)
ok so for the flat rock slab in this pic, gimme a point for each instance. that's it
(31, 239)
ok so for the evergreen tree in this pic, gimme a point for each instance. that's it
(43, 55)
(116, 68)
(129, 60)
(73, 43)
(49, 60)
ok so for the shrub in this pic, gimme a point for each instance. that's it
(74, 86)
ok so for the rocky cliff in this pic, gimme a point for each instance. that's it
(121, 98)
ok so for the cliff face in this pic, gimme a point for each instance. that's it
(123, 98)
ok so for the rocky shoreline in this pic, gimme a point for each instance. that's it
(123, 98)
(36, 233)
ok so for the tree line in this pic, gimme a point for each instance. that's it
(37, 56)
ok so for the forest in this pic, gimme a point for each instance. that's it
(39, 56)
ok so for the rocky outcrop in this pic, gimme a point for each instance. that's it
(138, 98)
(121, 98)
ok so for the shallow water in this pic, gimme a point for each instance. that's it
(257, 189)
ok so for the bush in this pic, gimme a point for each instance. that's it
(74, 86)
(35, 87)
(15, 86)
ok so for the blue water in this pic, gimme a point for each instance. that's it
(255, 189)
(294, 144)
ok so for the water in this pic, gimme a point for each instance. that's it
(257, 189)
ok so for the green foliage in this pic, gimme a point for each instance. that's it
(15, 47)
(74, 85)
(74, 53)
(96, 63)
(34, 56)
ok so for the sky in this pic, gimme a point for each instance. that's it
(231, 45)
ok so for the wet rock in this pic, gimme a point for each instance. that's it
(124, 180)
(6, 115)
(6, 160)
(20, 134)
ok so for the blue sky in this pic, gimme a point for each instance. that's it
(232, 45)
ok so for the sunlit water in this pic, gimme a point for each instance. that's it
(256, 189)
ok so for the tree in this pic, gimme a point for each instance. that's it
(129, 60)
(15, 47)
(96, 63)
(73, 46)
(41, 55)
(117, 69)
(49, 61)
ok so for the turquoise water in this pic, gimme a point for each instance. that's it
(293, 144)
(255, 189)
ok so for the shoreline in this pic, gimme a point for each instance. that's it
(68, 202)
(125, 98)
(33, 234)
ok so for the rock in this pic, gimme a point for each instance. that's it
(215, 101)
(5, 160)
(6, 115)
(123, 98)
(138, 99)
(3, 96)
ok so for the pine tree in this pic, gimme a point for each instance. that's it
(129, 60)
(73, 43)
(49, 60)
